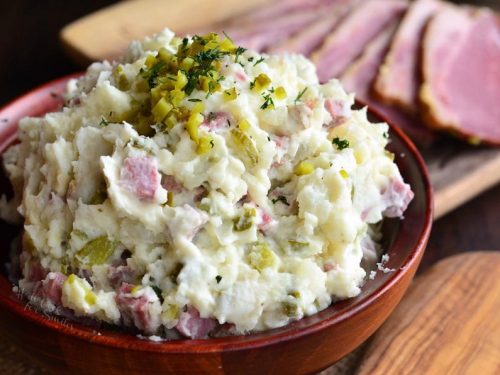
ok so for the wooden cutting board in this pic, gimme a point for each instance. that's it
(447, 323)
(458, 172)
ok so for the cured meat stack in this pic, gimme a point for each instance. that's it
(426, 65)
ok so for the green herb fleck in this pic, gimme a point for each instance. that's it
(239, 51)
(281, 199)
(301, 94)
(103, 122)
(258, 61)
(218, 278)
(268, 101)
(340, 143)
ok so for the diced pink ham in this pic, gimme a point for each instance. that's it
(398, 79)
(139, 175)
(461, 72)
(52, 287)
(329, 266)
(340, 111)
(299, 116)
(120, 274)
(397, 197)
(138, 311)
(351, 36)
(199, 193)
(311, 37)
(35, 271)
(192, 325)
(216, 121)
(267, 221)
(359, 76)
(171, 184)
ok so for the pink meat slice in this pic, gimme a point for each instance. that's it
(257, 36)
(269, 12)
(358, 78)
(461, 71)
(312, 36)
(398, 79)
(351, 37)
(192, 325)
(140, 176)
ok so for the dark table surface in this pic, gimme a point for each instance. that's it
(30, 54)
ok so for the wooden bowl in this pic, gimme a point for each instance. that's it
(306, 346)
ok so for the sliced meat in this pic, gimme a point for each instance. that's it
(312, 36)
(275, 9)
(398, 79)
(171, 184)
(192, 325)
(359, 76)
(351, 36)
(461, 72)
(139, 175)
(257, 36)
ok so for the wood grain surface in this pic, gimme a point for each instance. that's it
(106, 34)
(459, 172)
(448, 322)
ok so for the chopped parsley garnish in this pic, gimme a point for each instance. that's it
(281, 199)
(103, 122)
(301, 94)
(194, 100)
(239, 51)
(268, 101)
(258, 61)
(340, 143)
(151, 75)
(218, 278)
(386, 135)
(212, 143)
(250, 59)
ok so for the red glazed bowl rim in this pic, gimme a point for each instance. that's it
(127, 341)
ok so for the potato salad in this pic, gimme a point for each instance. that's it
(195, 188)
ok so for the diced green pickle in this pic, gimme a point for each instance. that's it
(245, 221)
(245, 144)
(290, 309)
(99, 196)
(298, 245)
(96, 251)
(261, 256)
(171, 312)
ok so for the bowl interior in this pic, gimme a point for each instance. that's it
(402, 240)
